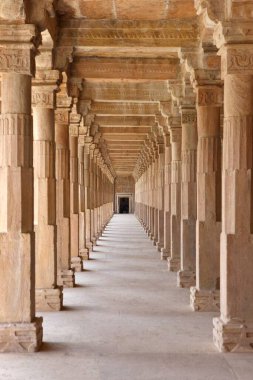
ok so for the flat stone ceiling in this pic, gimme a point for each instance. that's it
(127, 9)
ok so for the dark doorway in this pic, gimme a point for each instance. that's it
(124, 205)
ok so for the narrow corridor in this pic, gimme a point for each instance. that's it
(126, 320)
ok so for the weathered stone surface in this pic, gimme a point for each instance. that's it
(21, 337)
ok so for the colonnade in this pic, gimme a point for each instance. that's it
(57, 191)
(207, 197)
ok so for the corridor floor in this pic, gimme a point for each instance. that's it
(126, 320)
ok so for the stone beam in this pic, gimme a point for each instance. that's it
(124, 108)
(125, 68)
(121, 130)
(125, 120)
(85, 34)
(114, 90)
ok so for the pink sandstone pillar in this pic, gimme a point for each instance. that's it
(175, 224)
(186, 275)
(165, 252)
(205, 296)
(233, 330)
(49, 296)
(20, 331)
(62, 164)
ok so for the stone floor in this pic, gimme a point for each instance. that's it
(126, 321)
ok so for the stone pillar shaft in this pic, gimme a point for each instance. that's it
(186, 275)
(19, 329)
(233, 330)
(174, 259)
(205, 296)
(49, 296)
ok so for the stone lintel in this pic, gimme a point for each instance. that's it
(125, 68)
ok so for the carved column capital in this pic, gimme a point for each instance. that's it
(44, 88)
(209, 95)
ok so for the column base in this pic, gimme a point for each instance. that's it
(49, 299)
(204, 300)
(67, 278)
(84, 254)
(173, 264)
(89, 246)
(159, 247)
(164, 254)
(186, 279)
(76, 264)
(21, 337)
(233, 336)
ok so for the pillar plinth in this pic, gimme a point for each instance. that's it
(208, 226)
(186, 276)
(43, 99)
(65, 276)
(20, 331)
(174, 259)
(233, 330)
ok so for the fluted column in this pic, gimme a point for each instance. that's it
(165, 252)
(19, 329)
(49, 296)
(205, 296)
(175, 223)
(75, 120)
(233, 330)
(186, 275)
(62, 164)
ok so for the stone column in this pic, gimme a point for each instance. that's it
(233, 330)
(49, 296)
(81, 206)
(19, 329)
(92, 181)
(186, 275)
(165, 252)
(75, 120)
(160, 194)
(175, 223)
(205, 296)
(62, 164)
(88, 142)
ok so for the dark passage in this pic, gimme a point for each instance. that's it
(124, 206)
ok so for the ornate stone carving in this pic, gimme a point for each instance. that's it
(42, 98)
(16, 60)
(237, 59)
(209, 96)
(186, 278)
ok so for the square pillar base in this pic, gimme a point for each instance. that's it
(159, 247)
(204, 300)
(67, 278)
(49, 299)
(21, 337)
(76, 264)
(164, 254)
(173, 264)
(233, 336)
(84, 254)
(186, 279)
